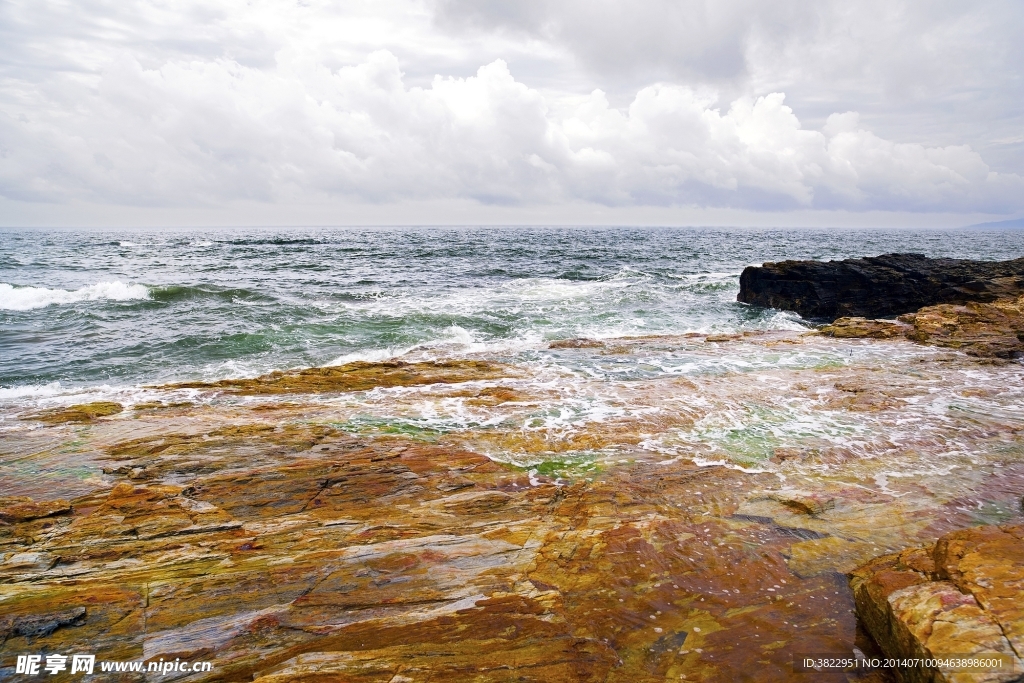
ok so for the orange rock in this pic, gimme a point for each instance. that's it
(84, 412)
(358, 376)
(22, 509)
(993, 329)
(576, 343)
(980, 329)
(863, 328)
(962, 596)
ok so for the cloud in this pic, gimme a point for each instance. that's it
(937, 73)
(269, 105)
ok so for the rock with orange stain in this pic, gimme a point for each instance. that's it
(358, 376)
(83, 412)
(284, 544)
(864, 328)
(23, 509)
(979, 329)
(987, 330)
(961, 596)
(381, 558)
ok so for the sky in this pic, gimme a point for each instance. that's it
(687, 112)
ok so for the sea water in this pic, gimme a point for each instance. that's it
(83, 309)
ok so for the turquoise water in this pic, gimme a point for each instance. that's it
(86, 308)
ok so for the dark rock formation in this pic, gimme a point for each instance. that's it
(879, 286)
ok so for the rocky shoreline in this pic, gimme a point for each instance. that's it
(283, 530)
(964, 594)
(973, 306)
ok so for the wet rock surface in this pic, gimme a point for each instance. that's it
(362, 561)
(994, 330)
(877, 287)
(358, 376)
(960, 596)
(85, 412)
(688, 527)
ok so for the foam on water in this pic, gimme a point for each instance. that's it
(739, 407)
(25, 298)
(31, 391)
(371, 356)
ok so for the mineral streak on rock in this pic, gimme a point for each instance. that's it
(877, 287)
(995, 329)
(960, 596)
(358, 376)
(979, 329)
(363, 565)
(39, 625)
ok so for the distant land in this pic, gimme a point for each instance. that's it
(1012, 223)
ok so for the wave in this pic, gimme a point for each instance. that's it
(170, 293)
(278, 241)
(455, 341)
(31, 391)
(18, 298)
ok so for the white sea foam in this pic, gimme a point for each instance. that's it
(31, 391)
(702, 462)
(544, 294)
(371, 356)
(455, 340)
(55, 394)
(27, 298)
(706, 277)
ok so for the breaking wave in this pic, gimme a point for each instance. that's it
(16, 298)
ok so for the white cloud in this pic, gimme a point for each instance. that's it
(302, 104)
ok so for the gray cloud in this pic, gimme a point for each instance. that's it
(937, 73)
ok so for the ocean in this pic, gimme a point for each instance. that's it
(87, 309)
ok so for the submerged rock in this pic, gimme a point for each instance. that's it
(880, 286)
(362, 537)
(84, 412)
(358, 376)
(576, 343)
(960, 596)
